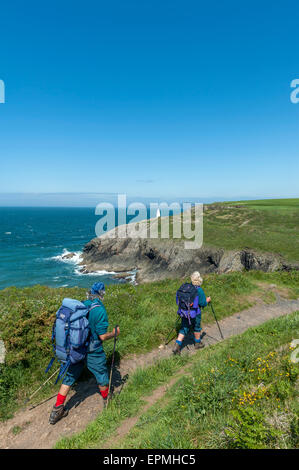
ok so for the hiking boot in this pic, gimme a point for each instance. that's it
(199, 345)
(57, 413)
(176, 349)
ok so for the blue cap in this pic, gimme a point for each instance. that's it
(97, 287)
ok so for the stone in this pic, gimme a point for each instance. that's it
(2, 352)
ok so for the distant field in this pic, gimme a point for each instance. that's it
(270, 225)
(283, 204)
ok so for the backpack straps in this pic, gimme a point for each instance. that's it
(90, 309)
(50, 364)
(63, 370)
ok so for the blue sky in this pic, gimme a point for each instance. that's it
(153, 99)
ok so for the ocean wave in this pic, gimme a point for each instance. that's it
(76, 259)
(93, 273)
(132, 277)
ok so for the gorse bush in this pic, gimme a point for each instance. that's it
(250, 431)
(26, 320)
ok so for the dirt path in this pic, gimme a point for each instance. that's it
(30, 429)
(129, 423)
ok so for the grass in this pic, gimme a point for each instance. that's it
(232, 399)
(227, 399)
(145, 313)
(125, 405)
(270, 225)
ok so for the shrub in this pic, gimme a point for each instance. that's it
(248, 430)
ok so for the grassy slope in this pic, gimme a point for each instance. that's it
(232, 399)
(229, 400)
(270, 225)
(145, 314)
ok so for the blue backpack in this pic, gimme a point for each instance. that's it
(70, 334)
(187, 301)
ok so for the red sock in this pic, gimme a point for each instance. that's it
(104, 393)
(60, 399)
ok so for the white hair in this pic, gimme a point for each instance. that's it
(196, 278)
(99, 295)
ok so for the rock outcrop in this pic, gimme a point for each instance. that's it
(69, 255)
(156, 259)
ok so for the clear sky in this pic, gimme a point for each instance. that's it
(150, 98)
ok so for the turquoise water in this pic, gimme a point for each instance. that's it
(32, 241)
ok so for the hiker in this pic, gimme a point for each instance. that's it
(95, 357)
(191, 314)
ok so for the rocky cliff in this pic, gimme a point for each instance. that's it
(156, 259)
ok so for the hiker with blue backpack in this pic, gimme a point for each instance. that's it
(190, 299)
(78, 333)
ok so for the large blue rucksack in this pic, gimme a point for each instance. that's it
(70, 334)
(187, 301)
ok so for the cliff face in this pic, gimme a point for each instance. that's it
(156, 259)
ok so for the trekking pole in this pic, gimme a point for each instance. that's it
(216, 320)
(34, 393)
(112, 363)
(174, 328)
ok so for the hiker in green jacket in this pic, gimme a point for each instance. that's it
(95, 358)
(195, 323)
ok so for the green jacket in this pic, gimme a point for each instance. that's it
(97, 318)
(202, 300)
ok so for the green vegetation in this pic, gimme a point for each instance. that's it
(145, 313)
(284, 280)
(270, 225)
(125, 405)
(266, 225)
(242, 393)
(232, 399)
(225, 399)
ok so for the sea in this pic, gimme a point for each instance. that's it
(33, 241)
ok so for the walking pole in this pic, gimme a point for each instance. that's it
(31, 396)
(112, 363)
(174, 328)
(216, 319)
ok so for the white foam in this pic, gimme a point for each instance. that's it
(132, 277)
(78, 268)
(76, 259)
(79, 272)
(7, 233)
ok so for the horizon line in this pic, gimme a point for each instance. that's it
(61, 206)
